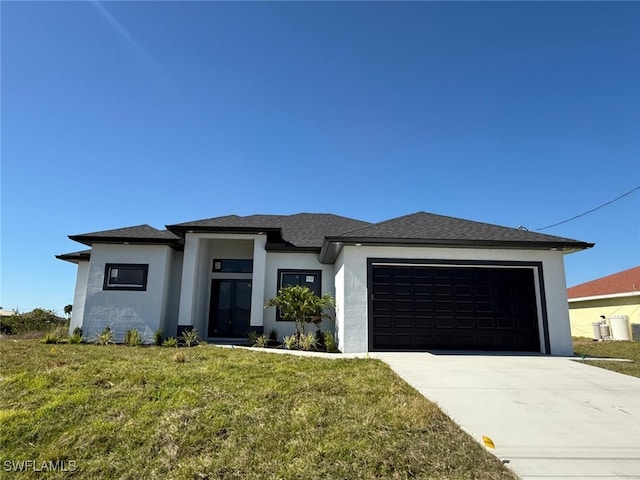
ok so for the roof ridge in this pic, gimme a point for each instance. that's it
(375, 224)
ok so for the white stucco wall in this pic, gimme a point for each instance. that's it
(353, 308)
(171, 294)
(125, 309)
(80, 293)
(294, 261)
(339, 295)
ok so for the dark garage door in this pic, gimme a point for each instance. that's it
(455, 308)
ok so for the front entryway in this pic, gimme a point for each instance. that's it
(229, 307)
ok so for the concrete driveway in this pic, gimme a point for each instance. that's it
(549, 417)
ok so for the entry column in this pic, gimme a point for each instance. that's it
(257, 282)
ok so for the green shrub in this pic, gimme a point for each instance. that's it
(261, 342)
(51, 337)
(252, 335)
(190, 337)
(170, 342)
(290, 342)
(308, 341)
(158, 337)
(330, 342)
(106, 337)
(133, 337)
(77, 331)
(301, 305)
(75, 338)
(273, 336)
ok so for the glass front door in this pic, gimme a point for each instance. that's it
(230, 308)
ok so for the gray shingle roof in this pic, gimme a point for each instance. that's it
(423, 228)
(428, 226)
(303, 230)
(138, 233)
(327, 232)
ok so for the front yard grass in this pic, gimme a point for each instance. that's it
(610, 349)
(135, 412)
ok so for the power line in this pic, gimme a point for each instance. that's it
(590, 211)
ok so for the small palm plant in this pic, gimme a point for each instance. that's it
(190, 337)
(302, 306)
(106, 337)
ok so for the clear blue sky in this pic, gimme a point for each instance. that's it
(123, 113)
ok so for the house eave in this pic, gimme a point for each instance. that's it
(75, 257)
(605, 296)
(90, 241)
(333, 245)
(181, 230)
(282, 248)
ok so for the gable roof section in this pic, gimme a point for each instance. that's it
(625, 282)
(300, 231)
(138, 234)
(423, 228)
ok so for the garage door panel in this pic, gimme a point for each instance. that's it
(383, 289)
(506, 323)
(465, 323)
(487, 342)
(423, 341)
(402, 289)
(426, 307)
(403, 321)
(463, 306)
(383, 341)
(445, 322)
(402, 305)
(463, 290)
(382, 321)
(444, 341)
(421, 305)
(486, 323)
(382, 305)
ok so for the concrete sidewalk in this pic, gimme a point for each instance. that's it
(551, 418)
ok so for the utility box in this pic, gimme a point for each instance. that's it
(620, 327)
(597, 333)
(635, 331)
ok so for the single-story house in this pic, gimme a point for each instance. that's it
(616, 294)
(416, 282)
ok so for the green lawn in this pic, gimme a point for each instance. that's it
(610, 349)
(134, 412)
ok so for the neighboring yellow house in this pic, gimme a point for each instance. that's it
(617, 294)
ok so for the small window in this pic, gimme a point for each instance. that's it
(125, 276)
(304, 278)
(232, 265)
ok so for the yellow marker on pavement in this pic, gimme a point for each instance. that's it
(488, 442)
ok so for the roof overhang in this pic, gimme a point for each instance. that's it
(181, 230)
(333, 245)
(75, 257)
(90, 240)
(605, 296)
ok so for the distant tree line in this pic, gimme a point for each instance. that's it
(37, 320)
